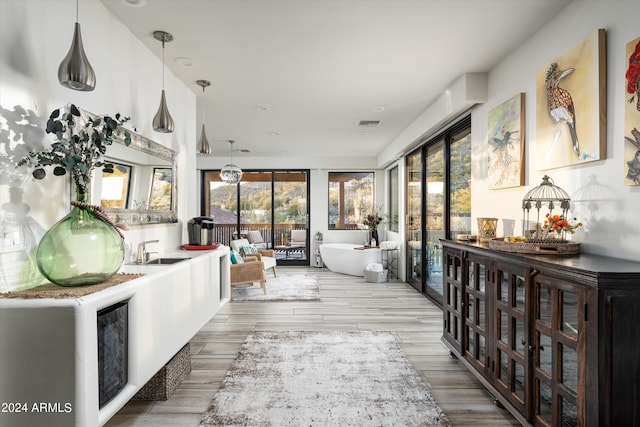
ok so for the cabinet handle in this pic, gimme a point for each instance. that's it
(530, 348)
(523, 342)
(541, 347)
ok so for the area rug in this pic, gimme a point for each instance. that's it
(322, 379)
(285, 287)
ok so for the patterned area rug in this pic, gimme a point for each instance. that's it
(322, 379)
(285, 287)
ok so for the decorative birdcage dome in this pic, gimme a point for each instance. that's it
(543, 199)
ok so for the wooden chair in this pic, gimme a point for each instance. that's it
(267, 256)
(250, 271)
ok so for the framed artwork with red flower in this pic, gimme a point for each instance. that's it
(632, 114)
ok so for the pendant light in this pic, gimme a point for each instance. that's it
(230, 173)
(75, 71)
(203, 146)
(162, 121)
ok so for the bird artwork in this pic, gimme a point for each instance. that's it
(633, 76)
(501, 155)
(560, 105)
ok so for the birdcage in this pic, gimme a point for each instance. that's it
(544, 199)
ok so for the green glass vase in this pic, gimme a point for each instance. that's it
(80, 249)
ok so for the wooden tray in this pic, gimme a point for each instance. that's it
(545, 248)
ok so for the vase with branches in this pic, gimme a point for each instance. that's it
(84, 247)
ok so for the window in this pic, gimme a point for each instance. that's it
(273, 203)
(438, 190)
(160, 197)
(393, 199)
(115, 186)
(460, 183)
(350, 199)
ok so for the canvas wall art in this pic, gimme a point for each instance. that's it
(632, 114)
(506, 144)
(571, 107)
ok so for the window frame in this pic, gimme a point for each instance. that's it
(340, 178)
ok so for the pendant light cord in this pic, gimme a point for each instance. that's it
(76, 11)
(162, 64)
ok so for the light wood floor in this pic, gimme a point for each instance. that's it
(348, 304)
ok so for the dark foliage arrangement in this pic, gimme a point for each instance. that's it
(80, 145)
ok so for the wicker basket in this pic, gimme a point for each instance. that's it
(538, 248)
(162, 385)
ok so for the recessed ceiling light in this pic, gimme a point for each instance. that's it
(378, 109)
(261, 108)
(135, 3)
(186, 62)
(275, 133)
(363, 133)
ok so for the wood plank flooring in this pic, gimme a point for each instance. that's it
(348, 304)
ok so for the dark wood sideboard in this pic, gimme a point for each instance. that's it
(555, 339)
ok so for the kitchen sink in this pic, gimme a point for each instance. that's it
(164, 261)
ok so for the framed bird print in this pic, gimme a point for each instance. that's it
(506, 144)
(632, 114)
(571, 105)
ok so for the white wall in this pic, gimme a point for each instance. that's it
(599, 197)
(35, 35)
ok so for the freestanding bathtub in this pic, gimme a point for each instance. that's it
(344, 258)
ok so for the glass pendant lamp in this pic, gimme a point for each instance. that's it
(230, 173)
(162, 121)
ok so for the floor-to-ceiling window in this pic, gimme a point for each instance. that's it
(414, 219)
(394, 199)
(438, 203)
(273, 203)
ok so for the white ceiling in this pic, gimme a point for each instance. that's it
(321, 66)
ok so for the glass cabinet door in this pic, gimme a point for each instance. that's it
(476, 318)
(510, 354)
(557, 332)
(453, 307)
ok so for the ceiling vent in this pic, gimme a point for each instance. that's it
(369, 123)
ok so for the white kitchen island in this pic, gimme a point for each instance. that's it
(49, 372)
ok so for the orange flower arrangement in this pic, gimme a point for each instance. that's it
(559, 225)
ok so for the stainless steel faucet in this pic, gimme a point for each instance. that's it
(141, 253)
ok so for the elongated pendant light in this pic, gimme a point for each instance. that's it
(203, 146)
(230, 173)
(162, 121)
(75, 71)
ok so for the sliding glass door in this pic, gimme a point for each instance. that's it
(435, 219)
(291, 217)
(272, 206)
(438, 207)
(414, 219)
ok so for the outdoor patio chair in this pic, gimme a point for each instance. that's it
(298, 238)
(255, 238)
